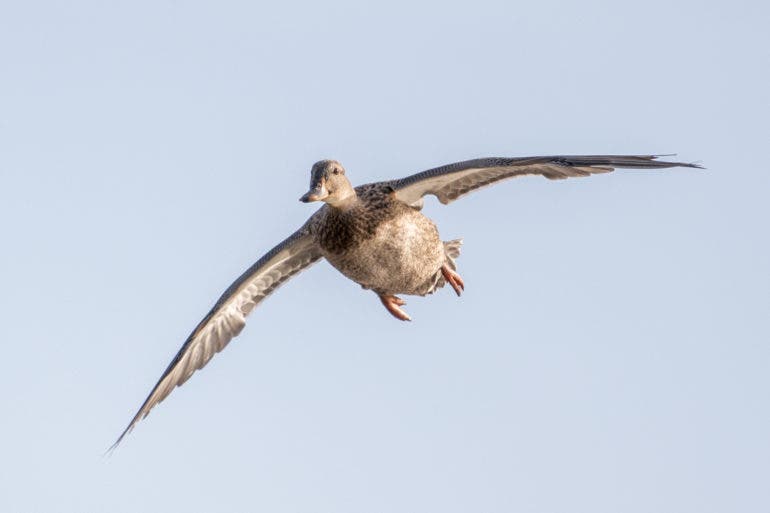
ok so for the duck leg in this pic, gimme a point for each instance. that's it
(393, 304)
(453, 279)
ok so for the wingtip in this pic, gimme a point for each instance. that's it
(111, 450)
(115, 445)
(695, 165)
(123, 435)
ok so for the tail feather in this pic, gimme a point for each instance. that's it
(452, 251)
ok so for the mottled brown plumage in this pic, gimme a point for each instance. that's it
(381, 243)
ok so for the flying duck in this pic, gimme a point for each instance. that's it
(376, 235)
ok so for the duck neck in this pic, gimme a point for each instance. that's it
(344, 200)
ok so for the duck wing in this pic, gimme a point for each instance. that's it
(228, 316)
(450, 182)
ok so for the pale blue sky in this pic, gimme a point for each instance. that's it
(611, 352)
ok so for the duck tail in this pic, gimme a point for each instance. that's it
(452, 251)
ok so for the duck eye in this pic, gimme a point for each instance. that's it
(336, 171)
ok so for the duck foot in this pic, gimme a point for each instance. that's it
(453, 279)
(392, 304)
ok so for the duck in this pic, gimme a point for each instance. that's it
(377, 236)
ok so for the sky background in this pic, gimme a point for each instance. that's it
(611, 351)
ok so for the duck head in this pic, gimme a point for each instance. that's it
(329, 184)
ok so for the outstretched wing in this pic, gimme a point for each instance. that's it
(228, 316)
(450, 182)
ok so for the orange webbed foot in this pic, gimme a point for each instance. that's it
(393, 304)
(453, 279)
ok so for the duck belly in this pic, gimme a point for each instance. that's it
(404, 256)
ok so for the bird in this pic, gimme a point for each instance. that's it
(374, 234)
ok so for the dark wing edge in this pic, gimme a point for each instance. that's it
(450, 182)
(227, 318)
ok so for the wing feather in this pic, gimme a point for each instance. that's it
(450, 182)
(228, 316)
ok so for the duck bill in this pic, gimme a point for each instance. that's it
(317, 193)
